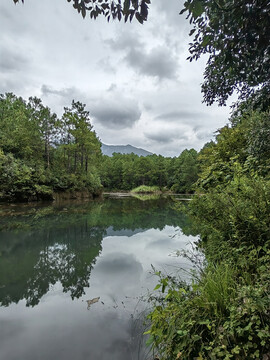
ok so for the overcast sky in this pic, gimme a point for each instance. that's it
(134, 79)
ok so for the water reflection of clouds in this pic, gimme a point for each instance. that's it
(151, 247)
(95, 334)
(118, 273)
(128, 272)
(63, 329)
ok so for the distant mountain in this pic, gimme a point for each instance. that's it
(123, 149)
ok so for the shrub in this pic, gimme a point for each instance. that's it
(146, 189)
(219, 316)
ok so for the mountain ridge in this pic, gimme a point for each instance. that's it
(123, 149)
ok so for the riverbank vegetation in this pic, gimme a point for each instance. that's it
(40, 153)
(224, 311)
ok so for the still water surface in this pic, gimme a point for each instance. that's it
(54, 258)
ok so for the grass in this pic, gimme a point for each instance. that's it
(143, 189)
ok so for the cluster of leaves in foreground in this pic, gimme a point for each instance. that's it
(40, 153)
(224, 311)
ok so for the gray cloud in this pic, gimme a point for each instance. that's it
(165, 137)
(125, 40)
(12, 60)
(122, 80)
(14, 68)
(179, 115)
(57, 99)
(117, 112)
(171, 10)
(11, 85)
(106, 65)
(112, 87)
(158, 62)
(203, 134)
(70, 93)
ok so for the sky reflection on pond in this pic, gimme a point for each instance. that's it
(54, 265)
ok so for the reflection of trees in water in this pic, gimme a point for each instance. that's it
(57, 263)
(64, 255)
(61, 243)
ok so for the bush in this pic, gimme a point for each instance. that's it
(146, 189)
(225, 312)
(219, 316)
(234, 219)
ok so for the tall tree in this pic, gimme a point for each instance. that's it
(19, 132)
(47, 122)
(81, 141)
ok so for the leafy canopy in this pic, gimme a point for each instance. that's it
(236, 35)
(111, 9)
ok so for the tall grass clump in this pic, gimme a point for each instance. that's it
(143, 189)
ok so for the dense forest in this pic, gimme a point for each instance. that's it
(41, 154)
(128, 171)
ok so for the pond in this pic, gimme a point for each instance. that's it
(75, 276)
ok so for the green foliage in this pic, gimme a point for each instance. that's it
(125, 172)
(20, 181)
(233, 34)
(243, 143)
(80, 143)
(216, 317)
(223, 313)
(186, 172)
(40, 154)
(145, 189)
(126, 9)
(235, 218)
(19, 131)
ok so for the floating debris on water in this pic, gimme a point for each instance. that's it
(92, 301)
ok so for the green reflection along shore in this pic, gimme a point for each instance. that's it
(42, 245)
